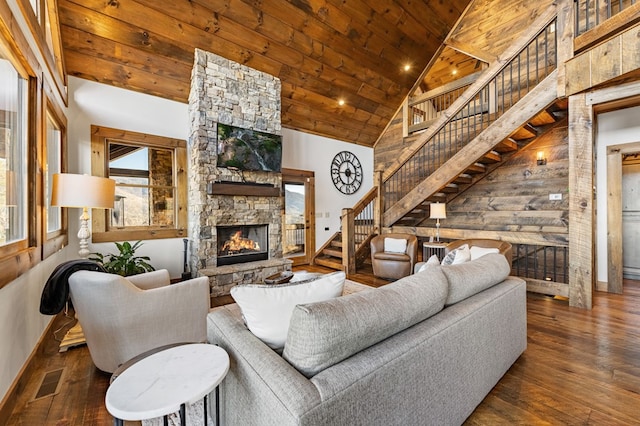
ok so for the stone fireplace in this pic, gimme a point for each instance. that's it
(223, 91)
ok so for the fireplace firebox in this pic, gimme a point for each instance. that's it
(242, 243)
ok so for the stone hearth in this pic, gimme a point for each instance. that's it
(223, 91)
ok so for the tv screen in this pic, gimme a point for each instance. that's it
(247, 149)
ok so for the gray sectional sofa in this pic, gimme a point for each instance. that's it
(424, 350)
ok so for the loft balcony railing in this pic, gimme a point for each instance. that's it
(513, 81)
(590, 13)
(424, 109)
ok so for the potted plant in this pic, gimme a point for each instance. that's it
(125, 263)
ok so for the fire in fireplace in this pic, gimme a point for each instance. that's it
(243, 243)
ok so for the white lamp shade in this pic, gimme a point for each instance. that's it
(438, 211)
(70, 190)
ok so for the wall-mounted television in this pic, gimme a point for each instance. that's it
(247, 149)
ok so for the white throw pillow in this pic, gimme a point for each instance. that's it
(267, 308)
(460, 255)
(433, 260)
(395, 245)
(478, 252)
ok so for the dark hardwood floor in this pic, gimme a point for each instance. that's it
(580, 368)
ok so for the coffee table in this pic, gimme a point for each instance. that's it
(166, 381)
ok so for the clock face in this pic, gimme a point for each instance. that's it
(346, 172)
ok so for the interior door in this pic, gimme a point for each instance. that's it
(298, 243)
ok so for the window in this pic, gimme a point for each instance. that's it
(53, 142)
(13, 157)
(150, 175)
(55, 218)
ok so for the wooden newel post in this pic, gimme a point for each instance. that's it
(379, 204)
(348, 241)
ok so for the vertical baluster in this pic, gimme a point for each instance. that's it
(544, 264)
(555, 264)
(577, 20)
(565, 264)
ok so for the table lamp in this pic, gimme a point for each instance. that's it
(438, 211)
(83, 191)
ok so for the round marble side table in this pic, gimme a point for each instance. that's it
(166, 381)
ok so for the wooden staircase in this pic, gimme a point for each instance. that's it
(481, 129)
(330, 255)
(525, 134)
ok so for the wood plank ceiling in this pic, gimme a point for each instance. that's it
(322, 51)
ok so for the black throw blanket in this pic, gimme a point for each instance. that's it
(56, 290)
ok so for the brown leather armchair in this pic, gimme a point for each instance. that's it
(393, 265)
(502, 246)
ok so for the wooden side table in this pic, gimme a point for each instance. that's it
(166, 381)
(431, 248)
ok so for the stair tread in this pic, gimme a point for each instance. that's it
(332, 252)
(328, 263)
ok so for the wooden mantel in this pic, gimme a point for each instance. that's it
(243, 188)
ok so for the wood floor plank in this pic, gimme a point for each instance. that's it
(581, 367)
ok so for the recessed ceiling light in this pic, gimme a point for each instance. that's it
(341, 102)
(407, 67)
(454, 72)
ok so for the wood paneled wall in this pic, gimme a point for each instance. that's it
(515, 196)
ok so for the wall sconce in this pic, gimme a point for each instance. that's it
(541, 160)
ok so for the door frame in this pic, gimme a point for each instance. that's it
(614, 214)
(307, 178)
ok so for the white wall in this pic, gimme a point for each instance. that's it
(310, 152)
(21, 323)
(614, 128)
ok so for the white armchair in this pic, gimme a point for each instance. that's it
(124, 317)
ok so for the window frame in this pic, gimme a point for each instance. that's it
(100, 137)
(18, 257)
(56, 240)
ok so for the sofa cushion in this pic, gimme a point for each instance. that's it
(266, 309)
(469, 278)
(323, 334)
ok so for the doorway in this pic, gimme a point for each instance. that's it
(299, 241)
(623, 221)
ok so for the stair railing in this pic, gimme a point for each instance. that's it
(358, 224)
(424, 109)
(510, 82)
(590, 13)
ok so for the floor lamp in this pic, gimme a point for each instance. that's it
(438, 211)
(85, 192)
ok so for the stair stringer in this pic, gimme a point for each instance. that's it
(537, 99)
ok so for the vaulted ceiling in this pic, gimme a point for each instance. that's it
(323, 51)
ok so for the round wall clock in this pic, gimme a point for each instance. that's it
(346, 172)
